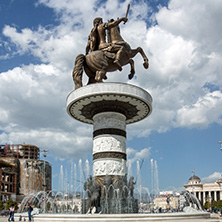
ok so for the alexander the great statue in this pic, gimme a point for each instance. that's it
(105, 56)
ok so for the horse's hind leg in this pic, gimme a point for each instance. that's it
(100, 75)
(132, 71)
(91, 80)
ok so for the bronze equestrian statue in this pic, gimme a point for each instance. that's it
(101, 56)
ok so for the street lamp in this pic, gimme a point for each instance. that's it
(220, 142)
(44, 185)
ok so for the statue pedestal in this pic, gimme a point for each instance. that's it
(109, 107)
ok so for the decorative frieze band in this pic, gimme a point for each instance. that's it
(125, 108)
(107, 143)
(116, 155)
(109, 167)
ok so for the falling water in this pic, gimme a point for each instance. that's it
(66, 181)
(61, 178)
(80, 174)
(139, 179)
(71, 178)
(152, 180)
(156, 177)
(152, 175)
(75, 178)
(87, 169)
(130, 173)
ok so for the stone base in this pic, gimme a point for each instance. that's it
(112, 206)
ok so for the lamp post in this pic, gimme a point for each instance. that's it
(44, 185)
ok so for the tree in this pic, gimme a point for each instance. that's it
(219, 203)
(9, 203)
(206, 205)
(1, 205)
(214, 204)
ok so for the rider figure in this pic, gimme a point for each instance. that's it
(97, 38)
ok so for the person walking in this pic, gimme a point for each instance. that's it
(11, 213)
(30, 209)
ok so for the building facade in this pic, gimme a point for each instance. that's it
(22, 172)
(166, 200)
(205, 192)
(8, 177)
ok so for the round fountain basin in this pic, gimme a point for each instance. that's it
(169, 217)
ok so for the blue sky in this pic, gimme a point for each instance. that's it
(39, 41)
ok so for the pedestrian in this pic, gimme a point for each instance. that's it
(11, 213)
(30, 209)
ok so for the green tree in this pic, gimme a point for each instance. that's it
(214, 204)
(1, 205)
(206, 205)
(219, 203)
(9, 203)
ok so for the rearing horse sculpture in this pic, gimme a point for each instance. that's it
(97, 63)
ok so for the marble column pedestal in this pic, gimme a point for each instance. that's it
(109, 107)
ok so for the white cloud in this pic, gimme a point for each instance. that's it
(205, 111)
(212, 178)
(182, 62)
(137, 155)
(130, 151)
(134, 155)
(143, 154)
(196, 20)
(59, 143)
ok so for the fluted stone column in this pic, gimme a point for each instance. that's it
(215, 195)
(204, 197)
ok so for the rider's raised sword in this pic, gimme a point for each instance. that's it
(128, 7)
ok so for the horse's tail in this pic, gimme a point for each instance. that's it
(78, 70)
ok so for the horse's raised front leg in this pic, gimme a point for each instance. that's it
(146, 61)
(133, 52)
(132, 71)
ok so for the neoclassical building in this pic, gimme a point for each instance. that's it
(204, 191)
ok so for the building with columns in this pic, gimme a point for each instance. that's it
(205, 192)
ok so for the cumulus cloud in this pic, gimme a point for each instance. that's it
(134, 155)
(205, 111)
(184, 77)
(194, 20)
(212, 178)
